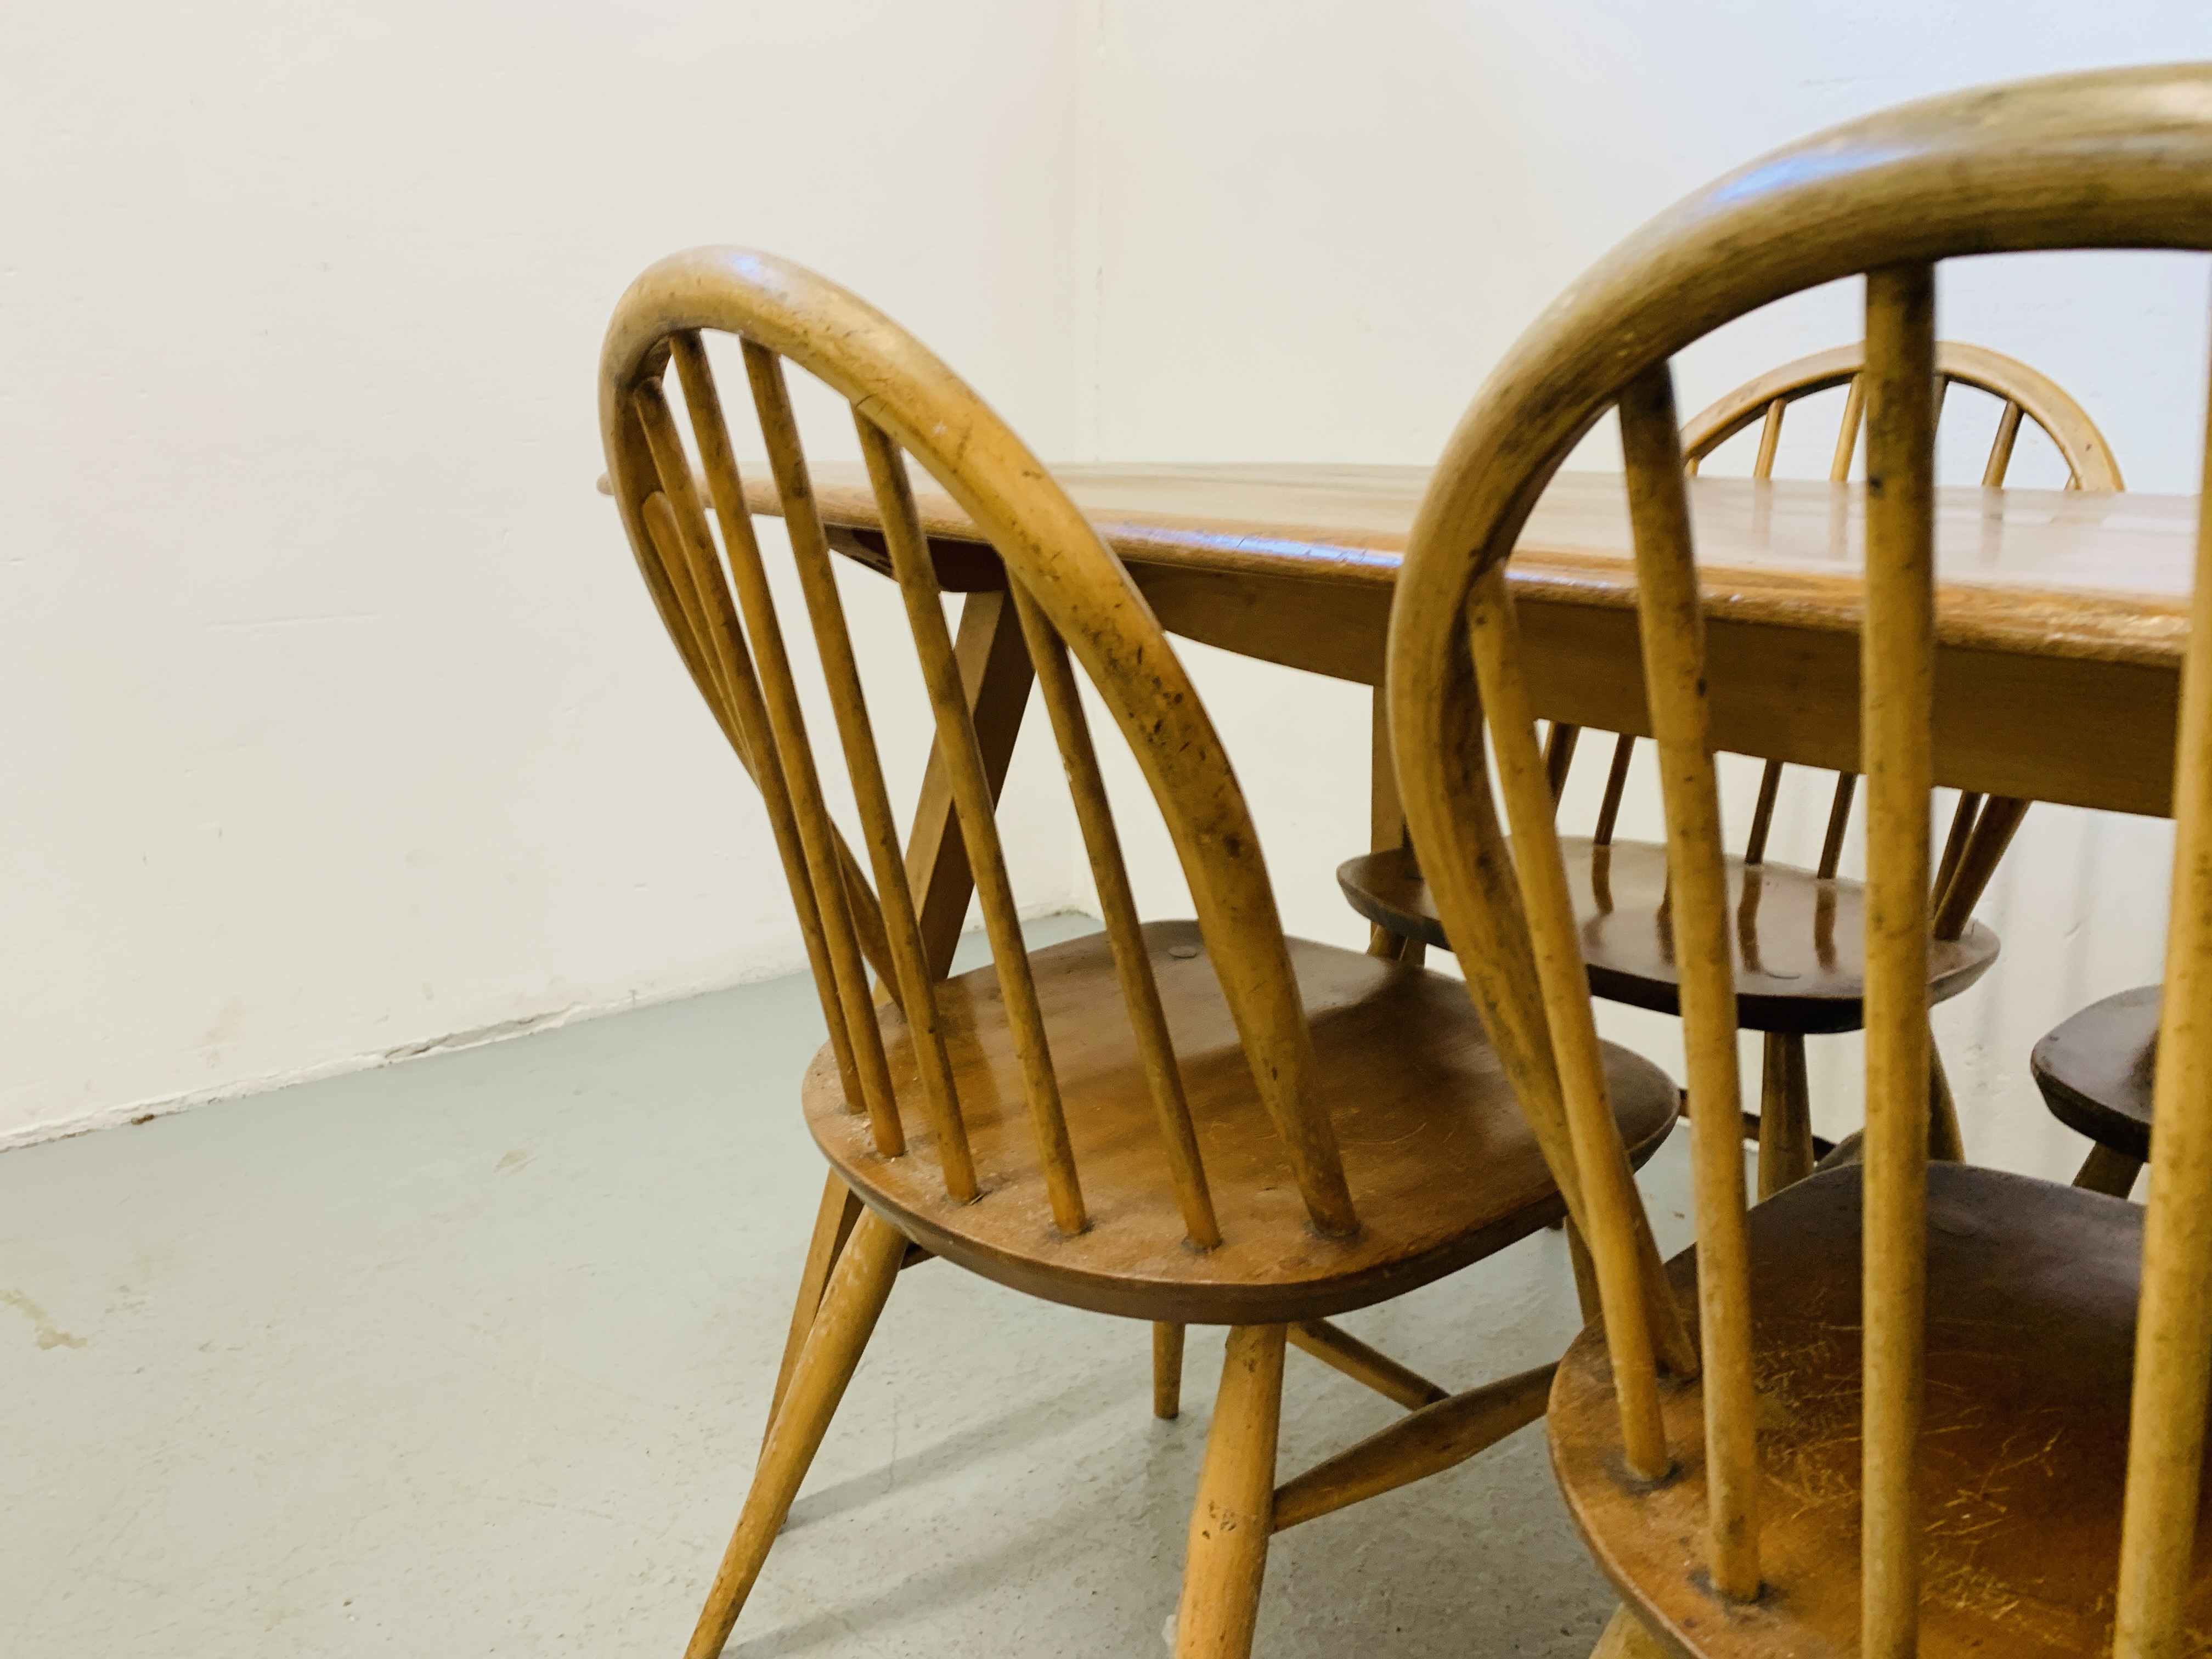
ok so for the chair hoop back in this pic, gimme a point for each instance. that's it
(2114, 160)
(1073, 598)
(2024, 392)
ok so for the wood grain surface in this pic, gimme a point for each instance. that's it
(2061, 615)
(1441, 1163)
(2023, 1461)
(1794, 939)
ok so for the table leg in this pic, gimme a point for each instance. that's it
(996, 673)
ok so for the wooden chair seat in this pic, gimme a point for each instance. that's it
(2030, 1331)
(1796, 946)
(1440, 1161)
(2095, 1071)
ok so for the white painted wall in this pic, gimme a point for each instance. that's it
(1308, 233)
(335, 721)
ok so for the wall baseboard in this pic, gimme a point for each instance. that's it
(145, 1111)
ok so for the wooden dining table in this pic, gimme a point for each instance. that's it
(2062, 616)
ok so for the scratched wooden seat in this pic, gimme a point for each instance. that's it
(1942, 1411)
(2096, 1069)
(1800, 971)
(1180, 1121)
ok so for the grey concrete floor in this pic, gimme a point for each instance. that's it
(471, 1356)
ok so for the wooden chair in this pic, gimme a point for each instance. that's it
(1943, 1410)
(1799, 969)
(2096, 1069)
(1173, 1121)
(2021, 393)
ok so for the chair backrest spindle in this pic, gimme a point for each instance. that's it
(2172, 1377)
(1616, 781)
(1770, 440)
(1897, 683)
(1847, 431)
(688, 521)
(1131, 962)
(2000, 461)
(679, 561)
(1762, 814)
(1671, 626)
(1839, 824)
(977, 811)
(908, 981)
(1530, 800)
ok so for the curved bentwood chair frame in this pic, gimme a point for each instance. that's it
(1180, 1123)
(1987, 1392)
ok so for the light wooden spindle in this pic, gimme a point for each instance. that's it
(768, 764)
(1474, 881)
(878, 1097)
(1616, 781)
(2173, 1328)
(1847, 434)
(678, 566)
(1897, 687)
(979, 826)
(1770, 438)
(833, 883)
(767, 771)
(910, 978)
(1132, 964)
(860, 906)
(1609, 1197)
(861, 910)
(700, 579)
(1671, 623)
(1839, 824)
(1762, 814)
(2000, 461)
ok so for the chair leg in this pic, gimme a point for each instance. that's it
(1167, 1370)
(1234, 1514)
(859, 1287)
(1785, 1115)
(1578, 1257)
(833, 1223)
(2108, 1172)
(1945, 1143)
(1625, 1637)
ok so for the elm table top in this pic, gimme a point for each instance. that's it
(2062, 615)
